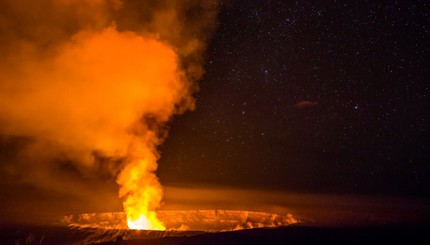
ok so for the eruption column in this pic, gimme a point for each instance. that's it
(90, 85)
(108, 92)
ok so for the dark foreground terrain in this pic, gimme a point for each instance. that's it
(304, 235)
(383, 234)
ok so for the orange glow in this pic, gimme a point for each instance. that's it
(91, 85)
(142, 193)
(197, 209)
(110, 92)
(190, 220)
(142, 79)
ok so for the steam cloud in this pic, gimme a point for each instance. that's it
(90, 85)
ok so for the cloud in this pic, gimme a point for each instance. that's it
(303, 104)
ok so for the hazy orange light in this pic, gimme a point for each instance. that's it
(92, 83)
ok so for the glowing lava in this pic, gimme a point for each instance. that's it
(108, 227)
(188, 220)
(142, 192)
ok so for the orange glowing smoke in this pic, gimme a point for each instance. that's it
(92, 84)
(155, 88)
(146, 86)
(106, 91)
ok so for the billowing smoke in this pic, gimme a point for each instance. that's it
(89, 85)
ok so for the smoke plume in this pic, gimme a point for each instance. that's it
(87, 87)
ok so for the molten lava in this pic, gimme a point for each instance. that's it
(142, 193)
(188, 220)
(107, 227)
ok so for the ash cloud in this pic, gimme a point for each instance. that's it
(84, 83)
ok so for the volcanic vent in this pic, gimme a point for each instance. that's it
(104, 227)
(188, 220)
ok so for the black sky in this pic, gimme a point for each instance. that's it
(310, 96)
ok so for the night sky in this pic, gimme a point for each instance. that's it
(310, 96)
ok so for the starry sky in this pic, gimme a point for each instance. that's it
(310, 96)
